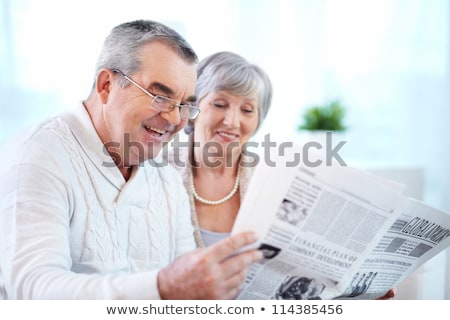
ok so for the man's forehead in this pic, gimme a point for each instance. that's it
(164, 68)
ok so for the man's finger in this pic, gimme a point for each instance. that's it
(226, 247)
(241, 261)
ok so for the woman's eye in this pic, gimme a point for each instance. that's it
(248, 109)
(219, 105)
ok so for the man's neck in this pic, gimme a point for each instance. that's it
(126, 172)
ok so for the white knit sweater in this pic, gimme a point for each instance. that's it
(71, 227)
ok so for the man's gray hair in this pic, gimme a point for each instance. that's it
(121, 47)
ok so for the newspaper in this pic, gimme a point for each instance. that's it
(334, 232)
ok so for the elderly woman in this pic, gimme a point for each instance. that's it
(234, 97)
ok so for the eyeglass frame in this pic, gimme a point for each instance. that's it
(153, 96)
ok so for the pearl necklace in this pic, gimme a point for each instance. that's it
(215, 202)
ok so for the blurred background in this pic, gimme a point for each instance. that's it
(386, 61)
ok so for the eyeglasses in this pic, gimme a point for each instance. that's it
(164, 104)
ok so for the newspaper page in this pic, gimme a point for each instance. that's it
(420, 233)
(320, 229)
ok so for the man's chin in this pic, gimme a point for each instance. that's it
(140, 153)
(151, 153)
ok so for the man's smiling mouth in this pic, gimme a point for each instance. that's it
(155, 131)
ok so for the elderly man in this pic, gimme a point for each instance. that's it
(85, 211)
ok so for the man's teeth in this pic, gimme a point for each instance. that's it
(157, 130)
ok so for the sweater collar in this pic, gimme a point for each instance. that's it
(83, 129)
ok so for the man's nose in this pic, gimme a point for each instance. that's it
(173, 116)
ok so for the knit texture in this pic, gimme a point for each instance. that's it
(75, 229)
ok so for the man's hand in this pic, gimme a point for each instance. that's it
(209, 273)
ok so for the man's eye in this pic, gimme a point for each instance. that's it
(160, 99)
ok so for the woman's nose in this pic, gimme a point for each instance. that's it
(232, 118)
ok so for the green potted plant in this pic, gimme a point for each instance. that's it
(327, 117)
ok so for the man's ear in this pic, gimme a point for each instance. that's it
(104, 84)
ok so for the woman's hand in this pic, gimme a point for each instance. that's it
(388, 296)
